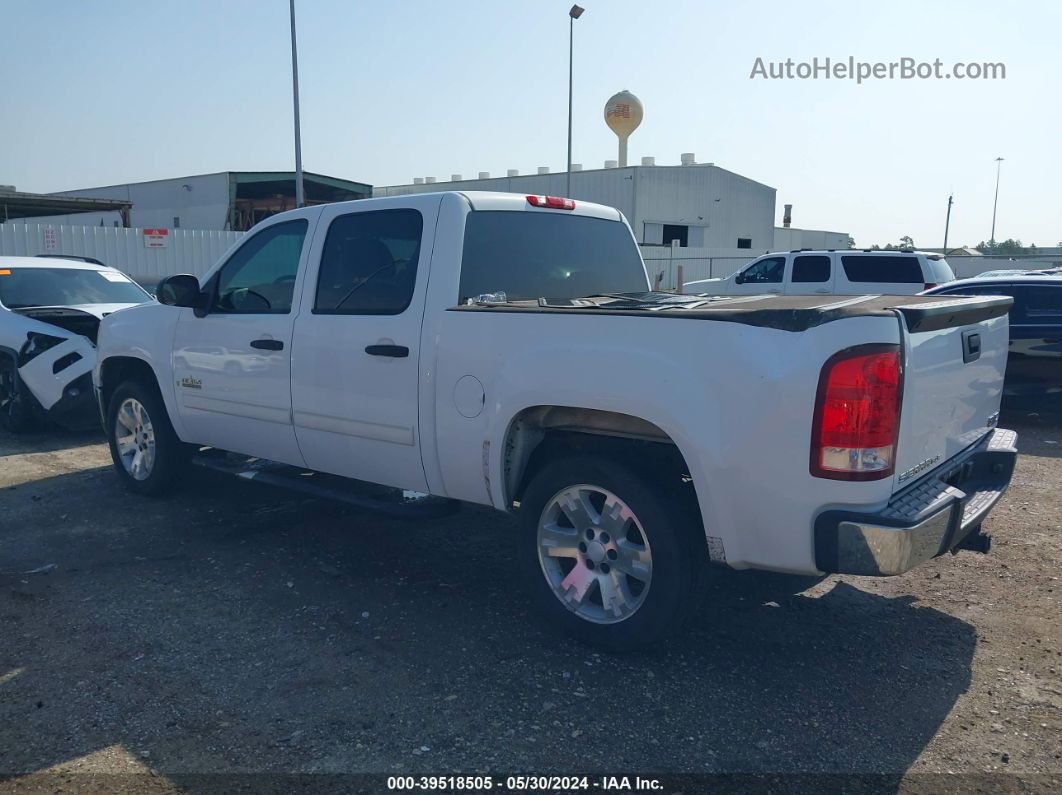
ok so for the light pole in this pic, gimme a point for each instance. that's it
(300, 196)
(947, 223)
(995, 202)
(573, 14)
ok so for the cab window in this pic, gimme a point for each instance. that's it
(765, 271)
(369, 263)
(260, 277)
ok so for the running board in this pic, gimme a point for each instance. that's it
(399, 503)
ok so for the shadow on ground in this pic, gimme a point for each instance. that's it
(47, 441)
(230, 628)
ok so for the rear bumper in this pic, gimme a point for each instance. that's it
(937, 514)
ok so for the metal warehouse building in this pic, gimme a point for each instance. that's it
(228, 200)
(699, 205)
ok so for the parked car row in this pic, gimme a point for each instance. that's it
(1035, 365)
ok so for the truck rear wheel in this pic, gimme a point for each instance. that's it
(146, 452)
(612, 557)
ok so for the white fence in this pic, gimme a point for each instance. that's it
(195, 250)
(184, 250)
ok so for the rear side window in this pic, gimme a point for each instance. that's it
(811, 268)
(557, 256)
(872, 268)
(369, 263)
(765, 271)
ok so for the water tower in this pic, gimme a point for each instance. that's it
(623, 114)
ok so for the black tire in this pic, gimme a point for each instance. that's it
(17, 406)
(171, 455)
(671, 527)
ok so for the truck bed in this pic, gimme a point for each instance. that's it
(783, 312)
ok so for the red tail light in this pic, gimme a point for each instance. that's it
(857, 414)
(553, 202)
(930, 285)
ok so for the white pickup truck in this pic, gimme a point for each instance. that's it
(638, 435)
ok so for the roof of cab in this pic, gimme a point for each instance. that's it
(51, 262)
(477, 200)
(496, 200)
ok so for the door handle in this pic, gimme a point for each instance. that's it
(823, 291)
(268, 345)
(394, 351)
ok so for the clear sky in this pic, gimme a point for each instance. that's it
(114, 91)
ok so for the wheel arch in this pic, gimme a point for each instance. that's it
(537, 433)
(114, 370)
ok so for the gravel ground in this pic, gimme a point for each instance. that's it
(235, 629)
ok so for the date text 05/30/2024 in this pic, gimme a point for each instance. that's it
(524, 783)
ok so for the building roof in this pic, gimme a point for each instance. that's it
(241, 178)
(16, 204)
(615, 170)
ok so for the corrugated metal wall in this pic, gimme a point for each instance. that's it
(187, 250)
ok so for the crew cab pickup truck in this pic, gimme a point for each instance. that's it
(506, 350)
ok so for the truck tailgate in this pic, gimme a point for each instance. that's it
(955, 358)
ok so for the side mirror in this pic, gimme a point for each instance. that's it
(179, 290)
(739, 278)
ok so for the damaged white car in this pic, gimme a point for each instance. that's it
(50, 312)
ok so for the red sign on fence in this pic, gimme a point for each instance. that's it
(156, 238)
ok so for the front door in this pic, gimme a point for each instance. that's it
(765, 275)
(233, 366)
(356, 359)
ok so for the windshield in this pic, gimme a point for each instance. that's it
(25, 287)
(529, 255)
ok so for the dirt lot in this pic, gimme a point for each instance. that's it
(234, 629)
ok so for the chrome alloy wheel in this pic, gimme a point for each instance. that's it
(135, 439)
(594, 554)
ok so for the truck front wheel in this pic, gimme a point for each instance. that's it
(146, 452)
(613, 556)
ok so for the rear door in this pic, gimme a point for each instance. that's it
(879, 274)
(810, 274)
(953, 379)
(355, 368)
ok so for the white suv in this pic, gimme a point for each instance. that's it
(847, 272)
